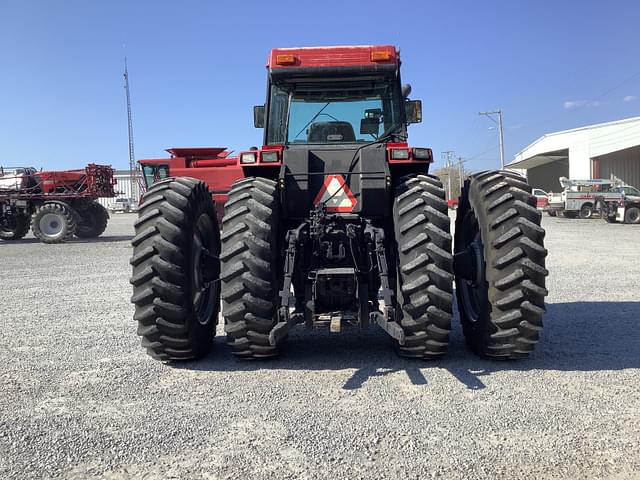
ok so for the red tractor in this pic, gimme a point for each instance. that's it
(56, 205)
(336, 223)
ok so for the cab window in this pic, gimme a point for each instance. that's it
(154, 173)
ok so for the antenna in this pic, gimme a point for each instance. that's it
(133, 167)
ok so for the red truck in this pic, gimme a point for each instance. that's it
(56, 205)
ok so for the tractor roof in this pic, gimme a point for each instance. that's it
(332, 57)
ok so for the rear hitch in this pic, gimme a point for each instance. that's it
(285, 319)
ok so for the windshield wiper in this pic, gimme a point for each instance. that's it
(312, 119)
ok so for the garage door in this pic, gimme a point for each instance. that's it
(546, 176)
(624, 164)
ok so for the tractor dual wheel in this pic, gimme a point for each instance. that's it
(249, 266)
(424, 273)
(14, 227)
(53, 222)
(176, 291)
(93, 219)
(500, 265)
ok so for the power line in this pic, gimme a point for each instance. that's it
(473, 157)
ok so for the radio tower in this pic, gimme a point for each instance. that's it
(133, 168)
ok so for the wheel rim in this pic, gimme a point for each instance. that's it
(471, 270)
(204, 291)
(586, 212)
(8, 225)
(51, 224)
(634, 216)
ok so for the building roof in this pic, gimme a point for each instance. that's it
(598, 139)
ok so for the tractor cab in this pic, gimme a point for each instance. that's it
(336, 116)
(313, 102)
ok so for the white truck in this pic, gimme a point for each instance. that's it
(123, 204)
(578, 197)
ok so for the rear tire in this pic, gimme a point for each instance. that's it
(425, 278)
(93, 220)
(586, 211)
(552, 213)
(501, 286)
(249, 263)
(53, 223)
(176, 303)
(569, 214)
(16, 227)
(632, 215)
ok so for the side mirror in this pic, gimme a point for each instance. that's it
(413, 111)
(258, 116)
(369, 126)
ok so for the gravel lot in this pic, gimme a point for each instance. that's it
(80, 399)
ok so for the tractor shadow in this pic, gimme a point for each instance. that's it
(580, 337)
(102, 239)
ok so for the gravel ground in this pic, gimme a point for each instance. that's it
(80, 399)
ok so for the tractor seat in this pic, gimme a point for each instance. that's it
(321, 132)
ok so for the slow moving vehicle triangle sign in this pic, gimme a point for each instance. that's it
(336, 195)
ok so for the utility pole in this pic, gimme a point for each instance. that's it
(461, 172)
(499, 123)
(133, 169)
(447, 156)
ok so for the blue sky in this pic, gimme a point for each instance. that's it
(197, 67)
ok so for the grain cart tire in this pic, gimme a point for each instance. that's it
(632, 215)
(425, 275)
(586, 211)
(175, 279)
(500, 265)
(249, 266)
(93, 220)
(53, 222)
(14, 227)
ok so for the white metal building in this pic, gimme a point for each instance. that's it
(122, 187)
(594, 151)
